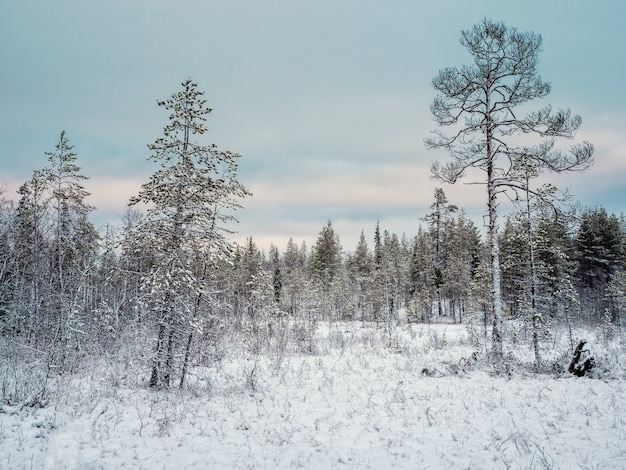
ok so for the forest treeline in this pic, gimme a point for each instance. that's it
(67, 290)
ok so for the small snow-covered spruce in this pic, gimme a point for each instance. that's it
(480, 102)
(189, 202)
(55, 252)
(440, 215)
(326, 265)
(360, 267)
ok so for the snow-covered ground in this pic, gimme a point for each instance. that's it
(422, 402)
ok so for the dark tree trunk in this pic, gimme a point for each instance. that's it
(156, 379)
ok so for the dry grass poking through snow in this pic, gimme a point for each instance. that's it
(356, 403)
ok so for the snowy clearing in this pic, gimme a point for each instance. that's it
(356, 403)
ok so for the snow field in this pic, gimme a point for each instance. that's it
(367, 398)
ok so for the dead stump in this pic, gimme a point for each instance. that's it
(582, 362)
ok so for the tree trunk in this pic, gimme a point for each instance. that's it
(494, 255)
(156, 379)
(536, 341)
(186, 360)
(494, 249)
(169, 360)
(536, 319)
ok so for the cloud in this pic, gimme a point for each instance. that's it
(385, 187)
(603, 183)
(395, 195)
(329, 111)
(109, 196)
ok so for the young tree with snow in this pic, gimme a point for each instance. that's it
(275, 266)
(422, 289)
(75, 244)
(598, 250)
(462, 257)
(480, 102)
(294, 278)
(188, 201)
(360, 266)
(32, 257)
(7, 259)
(441, 213)
(325, 264)
(55, 252)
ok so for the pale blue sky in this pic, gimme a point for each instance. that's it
(327, 101)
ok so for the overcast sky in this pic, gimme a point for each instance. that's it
(327, 101)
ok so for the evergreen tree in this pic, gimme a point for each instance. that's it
(32, 262)
(189, 200)
(463, 254)
(422, 276)
(360, 271)
(395, 273)
(514, 265)
(437, 221)
(55, 253)
(378, 246)
(247, 267)
(537, 277)
(599, 247)
(7, 261)
(302, 299)
(556, 272)
(74, 244)
(615, 301)
(392, 278)
(277, 275)
(254, 300)
(378, 281)
(137, 257)
(294, 278)
(75, 237)
(480, 301)
(326, 263)
(326, 256)
(557, 298)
